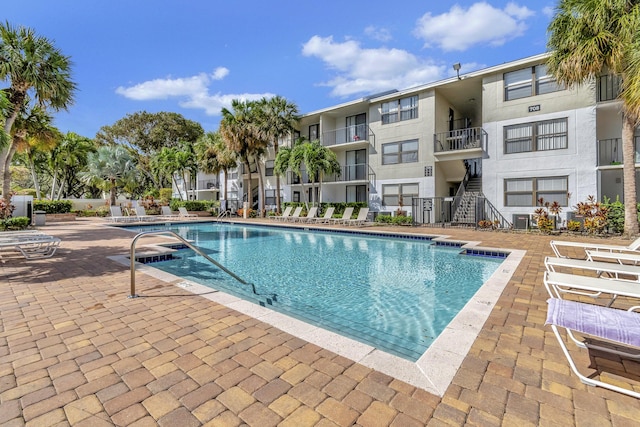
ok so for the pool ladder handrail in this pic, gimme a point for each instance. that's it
(197, 250)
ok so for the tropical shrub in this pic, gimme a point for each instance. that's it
(543, 215)
(574, 225)
(194, 205)
(165, 194)
(595, 215)
(394, 220)
(53, 206)
(614, 215)
(17, 223)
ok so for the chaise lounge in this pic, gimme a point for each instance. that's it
(557, 244)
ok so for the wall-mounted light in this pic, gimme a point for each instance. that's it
(456, 67)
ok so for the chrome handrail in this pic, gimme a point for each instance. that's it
(197, 250)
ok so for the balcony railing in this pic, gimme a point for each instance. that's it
(610, 151)
(460, 139)
(348, 135)
(348, 173)
(608, 87)
(208, 184)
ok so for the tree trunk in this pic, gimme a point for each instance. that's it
(226, 184)
(6, 176)
(112, 192)
(17, 100)
(34, 176)
(629, 178)
(260, 188)
(275, 152)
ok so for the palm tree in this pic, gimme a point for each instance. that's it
(179, 161)
(109, 168)
(587, 37)
(67, 160)
(31, 64)
(215, 157)
(278, 119)
(34, 133)
(241, 134)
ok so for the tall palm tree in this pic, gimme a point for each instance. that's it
(109, 168)
(587, 37)
(278, 119)
(67, 160)
(31, 64)
(241, 134)
(214, 156)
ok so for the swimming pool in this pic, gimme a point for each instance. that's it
(395, 294)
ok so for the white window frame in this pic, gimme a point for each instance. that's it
(532, 138)
(400, 155)
(530, 190)
(399, 110)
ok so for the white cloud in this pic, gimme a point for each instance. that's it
(481, 23)
(548, 11)
(194, 92)
(380, 34)
(361, 70)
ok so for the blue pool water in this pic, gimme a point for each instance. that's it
(392, 293)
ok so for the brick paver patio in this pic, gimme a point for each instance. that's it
(75, 351)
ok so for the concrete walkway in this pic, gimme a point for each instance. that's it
(75, 351)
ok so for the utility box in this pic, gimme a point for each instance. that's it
(521, 221)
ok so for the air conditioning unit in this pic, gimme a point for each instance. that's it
(521, 221)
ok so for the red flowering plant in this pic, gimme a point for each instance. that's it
(6, 209)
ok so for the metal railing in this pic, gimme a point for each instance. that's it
(347, 135)
(460, 139)
(208, 184)
(132, 255)
(440, 211)
(357, 172)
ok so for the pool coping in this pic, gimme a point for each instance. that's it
(432, 372)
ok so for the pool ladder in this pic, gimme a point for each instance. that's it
(197, 250)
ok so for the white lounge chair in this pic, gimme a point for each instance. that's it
(619, 257)
(141, 214)
(615, 331)
(345, 216)
(166, 213)
(285, 214)
(328, 214)
(612, 269)
(295, 215)
(557, 244)
(33, 248)
(558, 284)
(184, 213)
(311, 215)
(117, 215)
(362, 217)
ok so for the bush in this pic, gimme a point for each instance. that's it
(394, 220)
(165, 194)
(595, 215)
(574, 225)
(17, 223)
(53, 206)
(615, 215)
(194, 205)
(27, 192)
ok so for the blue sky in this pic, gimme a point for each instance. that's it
(194, 56)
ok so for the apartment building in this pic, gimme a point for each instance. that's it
(482, 145)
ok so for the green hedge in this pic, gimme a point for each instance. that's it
(53, 206)
(193, 205)
(16, 223)
(394, 220)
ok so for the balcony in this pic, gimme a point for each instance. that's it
(608, 87)
(460, 139)
(610, 152)
(355, 135)
(208, 184)
(348, 173)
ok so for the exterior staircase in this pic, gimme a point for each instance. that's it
(465, 213)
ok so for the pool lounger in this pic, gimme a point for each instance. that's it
(611, 269)
(564, 283)
(557, 244)
(605, 329)
(33, 248)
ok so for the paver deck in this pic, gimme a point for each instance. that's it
(75, 351)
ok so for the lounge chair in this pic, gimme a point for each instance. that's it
(615, 331)
(285, 214)
(184, 213)
(311, 215)
(166, 213)
(32, 248)
(619, 257)
(362, 217)
(345, 216)
(558, 284)
(328, 214)
(556, 244)
(141, 214)
(612, 269)
(117, 215)
(295, 215)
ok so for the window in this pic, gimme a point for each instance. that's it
(400, 152)
(537, 136)
(529, 81)
(356, 193)
(296, 196)
(391, 194)
(270, 197)
(356, 127)
(527, 191)
(400, 109)
(268, 168)
(314, 132)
